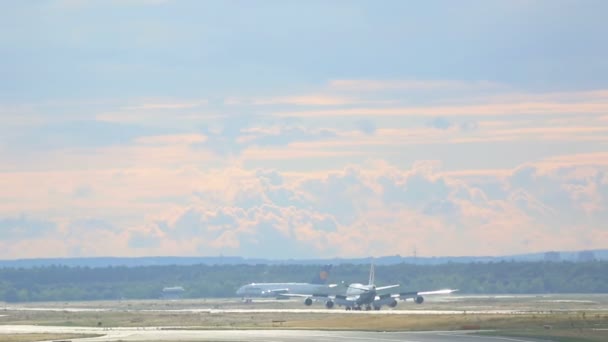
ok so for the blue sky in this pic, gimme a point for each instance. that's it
(302, 129)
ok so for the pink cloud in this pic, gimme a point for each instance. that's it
(167, 105)
(491, 109)
(172, 139)
(192, 211)
(310, 100)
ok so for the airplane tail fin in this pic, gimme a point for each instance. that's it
(323, 275)
(371, 275)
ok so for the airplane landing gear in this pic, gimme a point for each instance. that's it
(368, 307)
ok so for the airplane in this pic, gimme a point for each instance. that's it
(317, 284)
(359, 295)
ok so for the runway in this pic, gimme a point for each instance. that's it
(282, 311)
(210, 319)
(165, 334)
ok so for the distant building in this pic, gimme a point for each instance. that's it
(553, 256)
(174, 292)
(586, 256)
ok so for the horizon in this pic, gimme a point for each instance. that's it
(504, 256)
(288, 130)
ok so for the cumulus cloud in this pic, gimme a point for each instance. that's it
(260, 231)
(373, 208)
(159, 190)
(160, 153)
(363, 208)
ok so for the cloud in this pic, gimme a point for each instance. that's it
(262, 136)
(374, 208)
(259, 231)
(166, 105)
(284, 135)
(316, 185)
(210, 112)
(300, 100)
(22, 228)
(440, 123)
(172, 139)
(79, 226)
(366, 126)
(490, 109)
(238, 134)
(140, 241)
(597, 159)
(83, 191)
(79, 134)
(560, 190)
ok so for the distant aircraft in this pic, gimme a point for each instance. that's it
(359, 295)
(317, 285)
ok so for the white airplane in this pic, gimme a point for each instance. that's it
(359, 295)
(317, 285)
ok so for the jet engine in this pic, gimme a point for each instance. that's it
(419, 299)
(392, 304)
(329, 304)
(308, 302)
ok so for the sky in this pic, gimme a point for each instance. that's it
(302, 129)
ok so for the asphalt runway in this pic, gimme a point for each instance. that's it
(156, 334)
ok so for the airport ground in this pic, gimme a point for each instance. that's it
(522, 317)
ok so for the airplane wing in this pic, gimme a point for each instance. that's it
(277, 290)
(386, 287)
(318, 297)
(445, 291)
(285, 292)
(359, 287)
(345, 300)
(414, 294)
(314, 296)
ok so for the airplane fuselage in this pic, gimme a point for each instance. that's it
(275, 289)
(365, 293)
(357, 289)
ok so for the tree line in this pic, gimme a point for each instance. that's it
(63, 283)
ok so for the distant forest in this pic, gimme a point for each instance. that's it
(63, 283)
